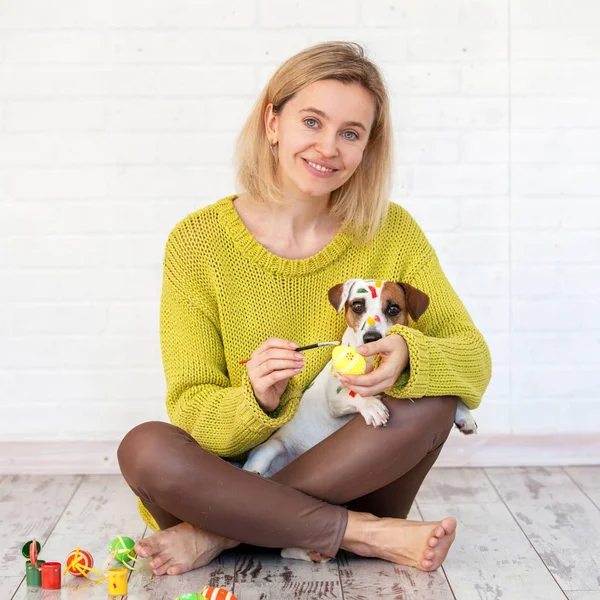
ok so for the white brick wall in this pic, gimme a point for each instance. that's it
(118, 119)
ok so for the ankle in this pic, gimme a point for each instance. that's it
(223, 542)
(360, 533)
(228, 544)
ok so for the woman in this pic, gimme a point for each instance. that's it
(248, 277)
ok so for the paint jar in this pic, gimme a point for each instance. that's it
(33, 575)
(51, 576)
(117, 581)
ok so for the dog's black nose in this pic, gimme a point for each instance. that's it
(371, 336)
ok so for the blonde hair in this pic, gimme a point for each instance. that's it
(361, 203)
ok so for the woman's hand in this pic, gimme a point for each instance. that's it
(394, 359)
(270, 367)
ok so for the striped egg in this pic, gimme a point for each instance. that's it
(79, 557)
(212, 593)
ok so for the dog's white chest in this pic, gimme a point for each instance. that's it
(313, 422)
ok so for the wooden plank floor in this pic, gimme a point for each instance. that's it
(523, 534)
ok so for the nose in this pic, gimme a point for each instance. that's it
(371, 336)
(327, 145)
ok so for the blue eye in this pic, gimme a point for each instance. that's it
(352, 139)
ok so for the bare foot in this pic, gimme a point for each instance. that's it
(411, 543)
(181, 548)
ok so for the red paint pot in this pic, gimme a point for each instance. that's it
(51, 576)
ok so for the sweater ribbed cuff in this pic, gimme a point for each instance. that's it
(414, 380)
(256, 419)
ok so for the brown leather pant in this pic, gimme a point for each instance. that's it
(305, 505)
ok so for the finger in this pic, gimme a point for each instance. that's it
(375, 347)
(373, 378)
(292, 358)
(274, 342)
(262, 383)
(365, 391)
(276, 376)
(260, 357)
(272, 365)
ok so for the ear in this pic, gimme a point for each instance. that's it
(339, 293)
(416, 300)
(270, 119)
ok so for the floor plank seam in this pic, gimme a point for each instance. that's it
(441, 566)
(131, 572)
(523, 532)
(583, 492)
(340, 578)
(235, 568)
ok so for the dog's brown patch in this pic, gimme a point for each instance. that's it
(416, 301)
(335, 295)
(353, 319)
(393, 295)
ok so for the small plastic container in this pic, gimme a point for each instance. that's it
(33, 575)
(117, 581)
(51, 576)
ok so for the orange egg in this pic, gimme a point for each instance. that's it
(80, 558)
(212, 593)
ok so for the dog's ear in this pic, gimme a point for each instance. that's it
(339, 293)
(416, 300)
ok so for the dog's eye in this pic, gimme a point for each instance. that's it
(358, 307)
(393, 310)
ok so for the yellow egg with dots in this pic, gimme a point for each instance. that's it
(347, 361)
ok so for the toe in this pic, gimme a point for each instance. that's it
(159, 560)
(175, 570)
(429, 554)
(439, 532)
(147, 547)
(433, 542)
(449, 525)
(427, 564)
(141, 549)
(163, 568)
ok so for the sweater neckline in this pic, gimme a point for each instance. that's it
(253, 250)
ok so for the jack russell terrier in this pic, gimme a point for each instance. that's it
(372, 307)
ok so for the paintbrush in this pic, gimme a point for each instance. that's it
(318, 345)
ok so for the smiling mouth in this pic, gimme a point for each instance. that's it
(319, 167)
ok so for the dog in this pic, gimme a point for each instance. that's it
(372, 308)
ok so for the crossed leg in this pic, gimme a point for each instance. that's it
(376, 471)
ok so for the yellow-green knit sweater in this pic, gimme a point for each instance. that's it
(224, 294)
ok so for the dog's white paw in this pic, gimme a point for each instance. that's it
(251, 468)
(375, 412)
(466, 425)
(307, 555)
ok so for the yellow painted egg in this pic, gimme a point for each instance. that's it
(347, 361)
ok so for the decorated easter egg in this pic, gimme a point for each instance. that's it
(347, 361)
(78, 562)
(213, 593)
(123, 549)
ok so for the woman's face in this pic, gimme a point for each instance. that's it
(327, 124)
